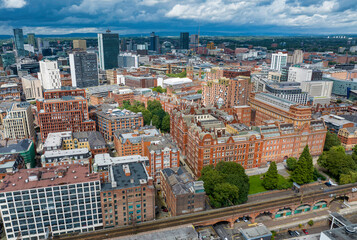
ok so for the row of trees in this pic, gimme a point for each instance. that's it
(177, 75)
(226, 184)
(153, 114)
(159, 89)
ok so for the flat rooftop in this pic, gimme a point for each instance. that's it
(46, 177)
(64, 153)
(343, 233)
(105, 159)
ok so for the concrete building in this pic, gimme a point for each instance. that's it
(109, 120)
(341, 87)
(226, 92)
(68, 113)
(18, 123)
(49, 75)
(317, 88)
(287, 90)
(342, 233)
(298, 57)
(108, 48)
(64, 157)
(297, 74)
(348, 137)
(180, 192)
(259, 232)
(32, 87)
(84, 69)
(128, 60)
(80, 44)
(334, 123)
(59, 200)
(10, 91)
(19, 41)
(278, 61)
(129, 196)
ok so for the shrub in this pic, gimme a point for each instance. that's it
(311, 222)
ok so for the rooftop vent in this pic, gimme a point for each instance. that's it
(75, 177)
(26, 181)
(126, 170)
(14, 184)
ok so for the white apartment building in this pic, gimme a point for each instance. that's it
(18, 123)
(32, 87)
(49, 75)
(297, 74)
(39, 202)
(298, 56)
(278, 61)
(317, 88)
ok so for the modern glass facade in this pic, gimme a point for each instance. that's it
(19, 41)
(108, 46)
(30, 213)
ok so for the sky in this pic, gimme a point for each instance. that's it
(212, 17)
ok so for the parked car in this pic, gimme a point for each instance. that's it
(328, 184)
(297, 233)
(165, 210)
(245, 219)
(291, 233)
(305, 231)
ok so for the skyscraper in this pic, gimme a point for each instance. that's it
(19, 41)
(154, 43)
(108, 47)
(184, 40)
(84, 69)
(31, 39)
(278, 61)
(49, 75)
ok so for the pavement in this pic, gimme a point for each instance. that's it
(261, 170)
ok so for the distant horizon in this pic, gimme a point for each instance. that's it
(211, 17)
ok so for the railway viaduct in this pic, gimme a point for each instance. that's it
(286, 208)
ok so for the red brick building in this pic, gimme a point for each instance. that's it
(122, 95)
(226, 92)
(204, 140)
(180, 192)
(129, 196)
(269, 107)
(68, 113)
(348, 137)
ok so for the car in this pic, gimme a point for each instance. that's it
(328, 184)
(297, 233)
(291, 233)
(245, 219)
(305, 231)
(238, 220)
(165, 210)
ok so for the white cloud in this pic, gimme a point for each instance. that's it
(13, 3)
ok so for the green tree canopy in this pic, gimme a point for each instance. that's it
(156, 121)
(224, 194)
(165, 125)
(298, 175)
(331, 140)
(271, 178)
(308, 164)
(159, 89)
(230, 173)
(337, 162)
(291, 163)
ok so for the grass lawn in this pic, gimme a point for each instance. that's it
(255, 185)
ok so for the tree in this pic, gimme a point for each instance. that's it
(308, 164)
(224, 194)
(156, 121)
(165, 125)
(291, 163)
(146, 116)
(337, 162)
(159, 89)
(126, 104)
(210, 178)
(199, 91)
(298, 175)
(331, 140)
(271, 178)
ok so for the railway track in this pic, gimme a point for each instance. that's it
(196, 218)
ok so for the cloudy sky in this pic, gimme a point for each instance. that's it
(229, 17)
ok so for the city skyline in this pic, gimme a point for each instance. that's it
(221, 17)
